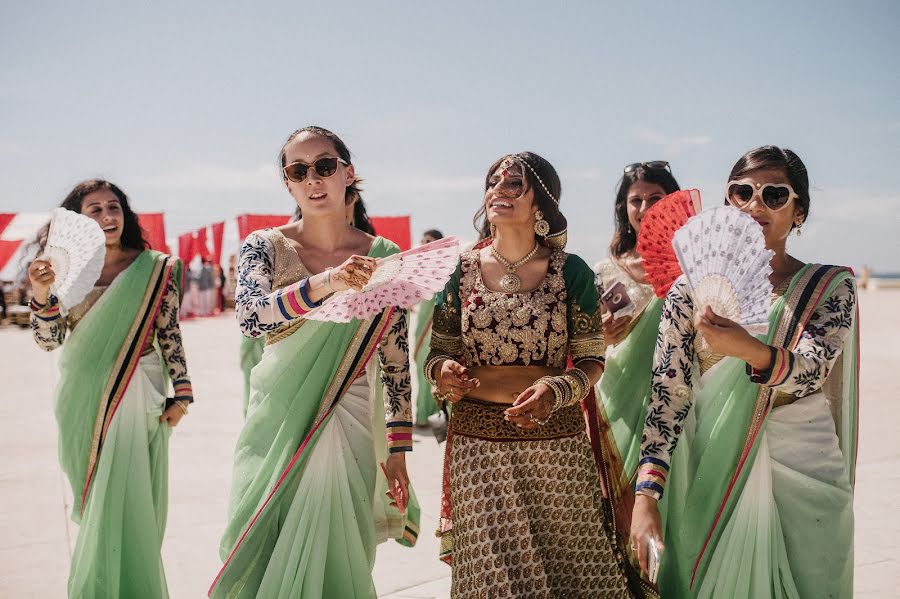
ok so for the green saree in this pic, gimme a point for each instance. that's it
(112, 447)
(425, 404)
(308, 503)
(759, 500)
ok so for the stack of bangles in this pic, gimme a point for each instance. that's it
(569, 388)
(183, 405)
(429, 375)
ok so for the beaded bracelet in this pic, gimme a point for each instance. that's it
(429, 367)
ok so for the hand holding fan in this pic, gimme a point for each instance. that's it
(724, 257)
(76, 249)
(401, 280)
(655, 237)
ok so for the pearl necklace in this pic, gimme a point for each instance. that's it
(510, 283)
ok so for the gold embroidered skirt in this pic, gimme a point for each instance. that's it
(528, 511)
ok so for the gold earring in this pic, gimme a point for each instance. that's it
(493, 230)
(799, 225)
(541, 227)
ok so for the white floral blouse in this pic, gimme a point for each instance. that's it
(679, 359)
(271, 295)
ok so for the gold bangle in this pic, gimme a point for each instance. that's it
(429, 367)
(180, 403)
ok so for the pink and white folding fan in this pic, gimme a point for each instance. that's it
(402, 280)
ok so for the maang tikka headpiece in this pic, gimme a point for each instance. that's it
(515, 158)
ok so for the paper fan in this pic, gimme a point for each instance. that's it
(655, 237)
(76, 248)
(724, 256)
(401, 280)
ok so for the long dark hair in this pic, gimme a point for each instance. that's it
(546, 204)
(773, 157)
(132, 235)
(625, 237)
(354, 190)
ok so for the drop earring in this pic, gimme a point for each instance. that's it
(541, 227)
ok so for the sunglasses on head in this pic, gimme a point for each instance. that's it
(775, 196)
(654, 164)
(325, 167)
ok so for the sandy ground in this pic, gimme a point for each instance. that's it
(36, 535)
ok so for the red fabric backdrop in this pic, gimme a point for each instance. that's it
(8, 250)
(395, 228)
(154, 227)
(247, 223)
(5, 219)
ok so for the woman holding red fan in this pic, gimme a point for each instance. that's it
(631, 312)
(517, 346)
(759, 489)
(309, 502)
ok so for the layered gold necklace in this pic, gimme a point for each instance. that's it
(510, 282)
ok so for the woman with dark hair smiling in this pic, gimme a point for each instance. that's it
(329, 402)
(631, 313)
(121, 347)
(759, 490)
(526, 511)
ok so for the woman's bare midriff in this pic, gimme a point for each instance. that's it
(502, 384)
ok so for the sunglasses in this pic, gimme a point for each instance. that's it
(325, 167)
(774, 195)
(654, 164)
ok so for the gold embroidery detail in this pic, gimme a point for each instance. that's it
(288, 269)
(584, 323)
(484, 420)
(587, 347)
(508, 328)
(447, 344)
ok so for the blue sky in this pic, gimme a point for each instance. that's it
(185, 105)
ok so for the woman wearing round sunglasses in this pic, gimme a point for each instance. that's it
(517, 346)
(759, 490)
(631, 314)
(309, 502)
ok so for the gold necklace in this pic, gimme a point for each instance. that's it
(510, 283)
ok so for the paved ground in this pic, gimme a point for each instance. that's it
(36, 536)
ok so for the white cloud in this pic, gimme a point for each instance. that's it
(672, 146)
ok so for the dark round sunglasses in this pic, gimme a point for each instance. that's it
(325, 167)
(653, 164)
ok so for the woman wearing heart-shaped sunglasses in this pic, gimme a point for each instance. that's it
(320, 468)
(759, 489)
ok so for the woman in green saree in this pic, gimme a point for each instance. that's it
(121, 347)
(308, 501)
(630, 331)
(425, 404)
(759, 490)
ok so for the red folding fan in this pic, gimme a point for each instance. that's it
(655, 237)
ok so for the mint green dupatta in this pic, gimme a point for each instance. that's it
(425, 403)
(732, 528)
(99, 358)
(312, 536)
(112, 446)
(624, 389)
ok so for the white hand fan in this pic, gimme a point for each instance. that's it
(76, 248)
(401, 280)
(723, 253)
